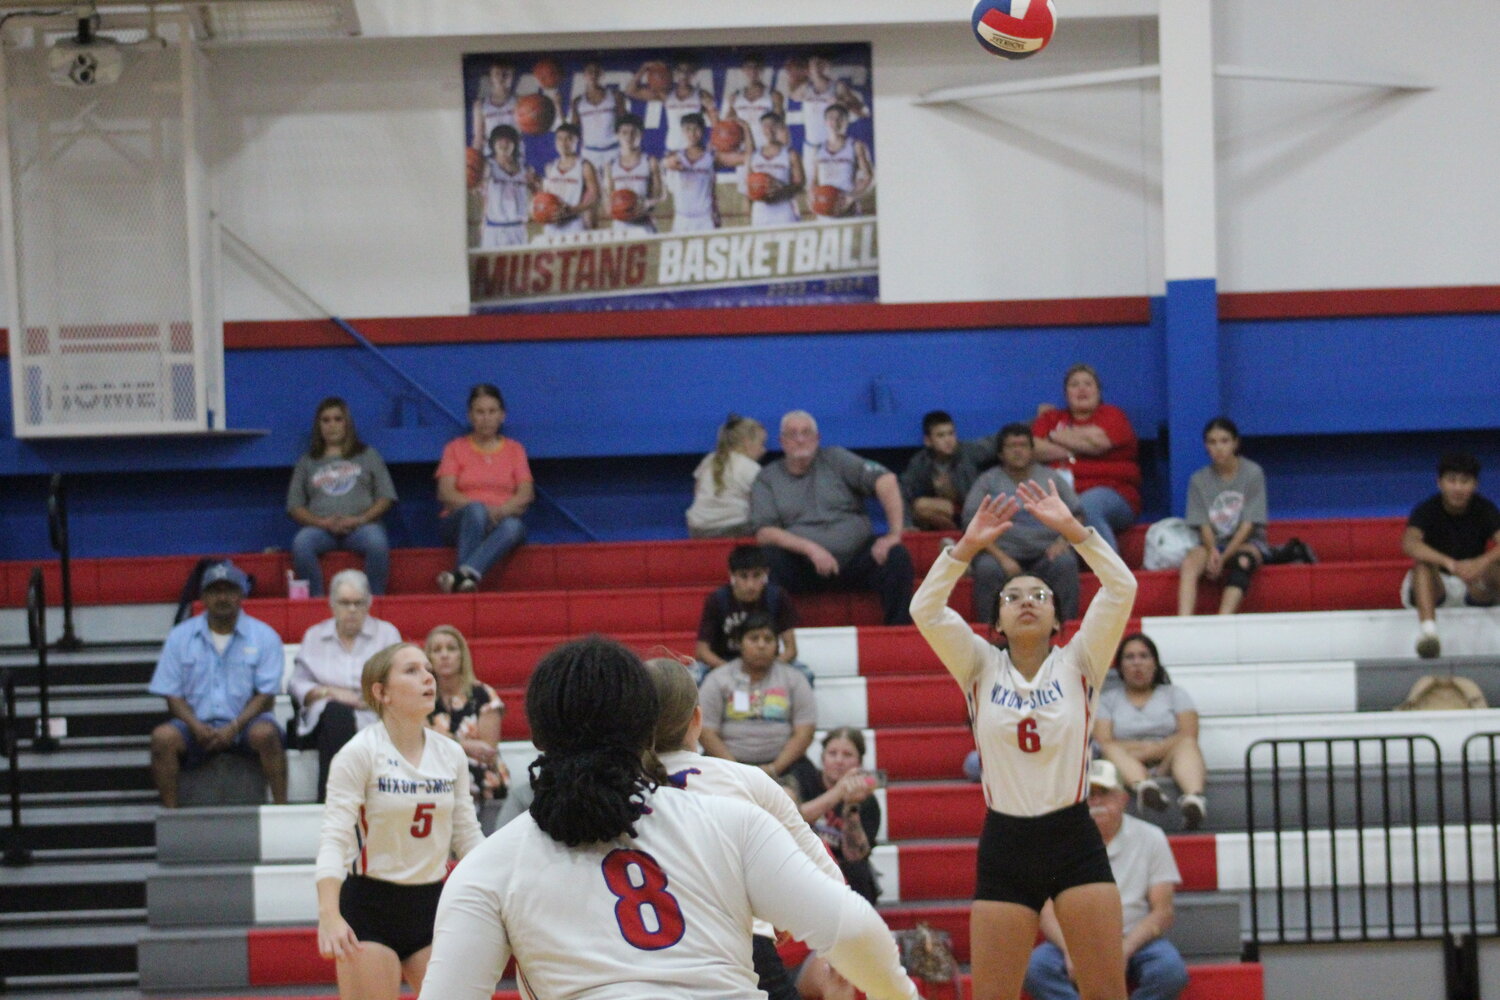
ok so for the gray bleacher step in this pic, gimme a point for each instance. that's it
(106, 796)
(1227, 808)
(1384, 683)
(93, 654)
(50, 887)
(90, 717)
(100, 624)
(66, 952)
(93, 764)
(78, 986)
(87, 854)
(76, 918)
(66, 823)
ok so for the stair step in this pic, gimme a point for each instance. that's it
(50, 887)
(80, 855)
(77, 986)
(65, 953)
(42, 918)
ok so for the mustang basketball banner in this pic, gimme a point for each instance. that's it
(663, 178)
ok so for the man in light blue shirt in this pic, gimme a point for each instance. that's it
(220, 673)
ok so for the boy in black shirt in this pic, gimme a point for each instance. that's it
(1447, 535)
(749, 589)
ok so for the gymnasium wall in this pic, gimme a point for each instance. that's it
(341, 164)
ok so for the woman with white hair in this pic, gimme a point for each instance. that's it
(325, 677)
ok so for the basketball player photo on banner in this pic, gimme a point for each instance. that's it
(670, 178)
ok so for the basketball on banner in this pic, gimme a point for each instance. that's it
(1014, 29)
(624, 205)
(534, 114)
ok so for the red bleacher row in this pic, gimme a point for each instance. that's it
(288, 956)
(639, 564)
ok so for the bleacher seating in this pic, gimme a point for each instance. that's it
(1333, 652)
(659, 563)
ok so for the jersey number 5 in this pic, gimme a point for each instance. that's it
(421, 819)
(647, 888)
(1026, 736)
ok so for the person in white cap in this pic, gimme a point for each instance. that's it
(220, 673)
(1147, 876)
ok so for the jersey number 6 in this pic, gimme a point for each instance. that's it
(1026, 736)
(635, 898)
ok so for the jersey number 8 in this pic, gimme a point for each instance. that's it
(635, 898)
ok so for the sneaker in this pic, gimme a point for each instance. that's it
(1302, 552)
(467, 582)
(1148, 794)
(1194, 810)
(1429, 646)
(445, 581)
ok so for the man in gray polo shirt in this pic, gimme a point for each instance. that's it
(1147, 876)
(1029, 546)
(808, 510)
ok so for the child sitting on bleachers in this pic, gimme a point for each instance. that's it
(722, 481)
(1447, 535)
(749, 591)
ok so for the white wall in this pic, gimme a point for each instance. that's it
(341, 161)
(1355, 187)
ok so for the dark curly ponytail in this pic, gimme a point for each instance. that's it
(592, 709)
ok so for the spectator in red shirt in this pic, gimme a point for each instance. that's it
(484, 485)
(1094, 441)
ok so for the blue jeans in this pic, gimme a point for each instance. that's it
(479, 545)
(1106, 512)
(1156, 969)
(368, 540)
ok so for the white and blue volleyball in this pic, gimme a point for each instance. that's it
(1014, 29)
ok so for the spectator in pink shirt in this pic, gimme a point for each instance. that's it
(484, 485)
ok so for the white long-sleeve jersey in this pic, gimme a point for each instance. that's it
(389, 820)
(1033, 736)
(665, 915)
(748, 783)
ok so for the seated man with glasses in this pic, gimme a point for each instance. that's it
(1029, 547)
(808, 511)
(326, 677)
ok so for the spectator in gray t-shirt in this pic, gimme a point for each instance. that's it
(1226, 505)
(1029, 547)
(808, 509)
(340, 490)
(756, 709)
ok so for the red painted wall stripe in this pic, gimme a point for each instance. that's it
(1336, 303)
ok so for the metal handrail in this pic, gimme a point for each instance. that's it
(16, 851)
(57, 533)
(36, 631)
(1367, 817)
(395, 369)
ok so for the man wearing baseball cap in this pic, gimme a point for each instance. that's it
(220, 673)
(1147, 876)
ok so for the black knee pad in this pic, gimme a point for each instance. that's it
(1240, 570)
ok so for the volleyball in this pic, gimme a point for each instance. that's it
(758, 185)
(825, 199)
(546, 207)
(727, 135)
(624, 205)
(1014, 29)
(534, 114)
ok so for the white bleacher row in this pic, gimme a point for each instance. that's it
(1319, 636)
(282, 891)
